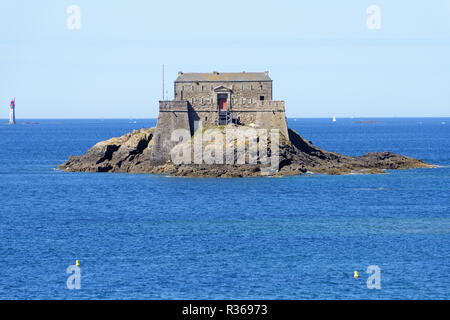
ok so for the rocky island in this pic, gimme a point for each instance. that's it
(211, 107)
(131, 153)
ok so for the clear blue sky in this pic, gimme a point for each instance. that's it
(322, 57)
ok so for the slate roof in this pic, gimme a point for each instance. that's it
(225, 76)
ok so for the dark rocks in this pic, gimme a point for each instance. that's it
(125, 154)
(132, 152)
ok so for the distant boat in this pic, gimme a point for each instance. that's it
(334, 119)
(366, 121)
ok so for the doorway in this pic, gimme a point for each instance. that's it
(222, 102)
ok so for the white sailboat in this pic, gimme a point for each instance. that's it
(334, 119)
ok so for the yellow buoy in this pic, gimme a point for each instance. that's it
(77, 263)
(356, 275)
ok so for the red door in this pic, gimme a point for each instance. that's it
(223, 103)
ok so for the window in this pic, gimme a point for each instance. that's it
(261, 98)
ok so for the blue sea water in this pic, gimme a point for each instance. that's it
(156, 237)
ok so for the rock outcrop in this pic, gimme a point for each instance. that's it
(131, 153)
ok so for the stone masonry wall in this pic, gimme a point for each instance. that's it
(172, 115)
(202, 93)
(261, 114)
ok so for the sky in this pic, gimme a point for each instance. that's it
(325, 57)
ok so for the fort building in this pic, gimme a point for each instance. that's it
(243, 98)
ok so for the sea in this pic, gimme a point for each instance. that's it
(141, 236)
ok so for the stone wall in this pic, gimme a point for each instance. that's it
(202, 93)
(172, 115)
(261, 114)
(181, 115)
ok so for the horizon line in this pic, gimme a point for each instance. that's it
(293, 117)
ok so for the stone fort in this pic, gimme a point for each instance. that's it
(241, 98)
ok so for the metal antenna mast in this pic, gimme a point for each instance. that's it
(163, 82)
